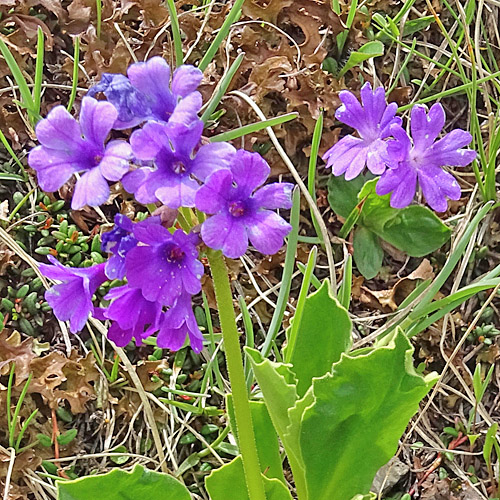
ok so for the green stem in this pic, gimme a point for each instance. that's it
(248, 448)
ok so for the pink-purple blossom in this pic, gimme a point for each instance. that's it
(241, 211)
(71, 299)
(372, 120)
(68, 147)
(148, 92)
(180, 163)
(421, 158)
(119, 241)
(164, 265)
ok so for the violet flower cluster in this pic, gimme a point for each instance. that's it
(400, 158)
(167, 163)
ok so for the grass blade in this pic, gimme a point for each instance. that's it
(74, 82)
(286, 278)
(221, 88)
(176, 32)
(232, 17)
(27, 100)
(253, 127)
(37, 89)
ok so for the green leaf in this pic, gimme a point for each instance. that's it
(327, 322)
(359, 413)
(67, 437)
(343, 195)
(368, 253)
(488, 443)
(278, 384)
(122, 459)
(121, 485)
(228, 483)
(415, 230)
(266, 438)
(367, 51)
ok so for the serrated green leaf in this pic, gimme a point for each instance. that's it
(365, 399)
(122, 485)
(367, 51)
(266, 438)
(367, 252)
(228, 483)
(327, 322)
(278, 384)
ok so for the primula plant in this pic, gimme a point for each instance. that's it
(319, 407)
(217, 202)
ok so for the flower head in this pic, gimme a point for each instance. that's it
(421, 158)
(71, 299)
(132, 105)
(68, 147)
(372, 120)
(152, 78)
(118, 241)
(241, 210)
(133, 316)
(180, 164)
(177, 323)
(166, 265)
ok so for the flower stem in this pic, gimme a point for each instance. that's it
(246, 436)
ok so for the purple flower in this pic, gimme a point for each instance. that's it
(423, 160)
(133, 316)
(241, 213)
(372, 120)
(166, 265)
(152, 78)
(132, 105)
(178, 322)
(68, 147)
(71, 300)
(180, 164)
(118, 241)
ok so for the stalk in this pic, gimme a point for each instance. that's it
(246, 436)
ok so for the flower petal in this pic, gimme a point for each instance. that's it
(274, 196)
(148, 141)
(267, 231)
(178, 192)
(59, 131)
(226, 233)
(211, 197)
(53, 167)
(91, 189)
(426, 127)
(212, 157)
(437, 185)
(97, 119)
(115, 163)
(448, 150)
(250, 171)
(402, 181)
(186, 80)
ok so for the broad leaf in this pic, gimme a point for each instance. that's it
(121, 485)
(343, 195)
(228, 483)
(367, 51)
(415, 230)
(324, 323)
(368, 253)
(359, 413)
(265, 436)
